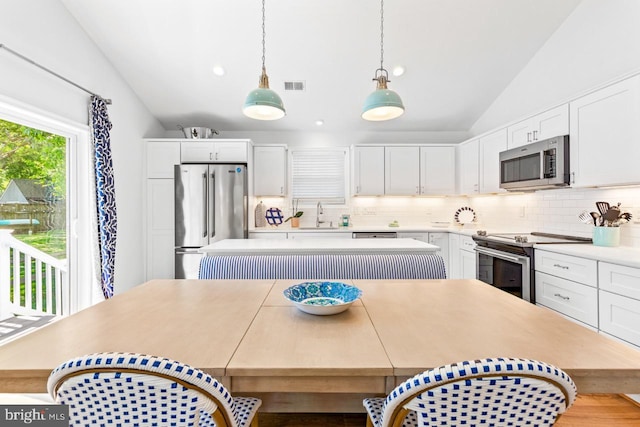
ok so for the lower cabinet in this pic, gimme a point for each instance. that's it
(620, 301)
(573, 299)
(462, 257)
(620, 317)
(467, 257)
(440, 240)
(568, 285)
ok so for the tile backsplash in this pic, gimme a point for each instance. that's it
(550, 211)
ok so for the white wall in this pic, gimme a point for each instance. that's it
(45, 32)
(598, 42)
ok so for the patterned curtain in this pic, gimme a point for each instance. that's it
(105, 193)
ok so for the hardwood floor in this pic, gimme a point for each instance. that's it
(592, 410)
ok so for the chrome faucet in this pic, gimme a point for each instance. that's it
(319, 212)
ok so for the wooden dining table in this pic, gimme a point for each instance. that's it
(245, 333)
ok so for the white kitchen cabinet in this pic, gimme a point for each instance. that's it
(620, 317)
(604, 135)
(467, 257)
(553, 122)
(270, 171)
(402, 171)
(207, 151)
(441, 240)
(161, 156)
(159, 229)
(368, 171)
(454, 256)
(437, 170)
(489, 149)
(620, 301)
(567, 297)
(568, 267)
(468, 167)
(568, 285)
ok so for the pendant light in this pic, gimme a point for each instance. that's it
(383, 103)
(263, 103)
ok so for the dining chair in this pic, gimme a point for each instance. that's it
(128, 389)
(492, 392)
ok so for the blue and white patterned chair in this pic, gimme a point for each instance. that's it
(128, 389)
(491, 392)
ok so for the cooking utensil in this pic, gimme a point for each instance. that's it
(611, 215)
(198, 132)
(603, 207)
(596, 218)
(585, 217)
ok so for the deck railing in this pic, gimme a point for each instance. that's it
(31, 281)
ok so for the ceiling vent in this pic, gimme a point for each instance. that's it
(295, 86)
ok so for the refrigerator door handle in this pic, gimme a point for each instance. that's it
(204, 204)
(213, 205)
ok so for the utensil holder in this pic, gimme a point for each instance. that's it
(606, 236)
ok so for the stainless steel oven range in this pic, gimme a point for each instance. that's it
(506, 260)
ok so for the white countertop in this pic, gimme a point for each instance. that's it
(317, 246)
(622, 255)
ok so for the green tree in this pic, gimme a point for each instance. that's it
(32, 154)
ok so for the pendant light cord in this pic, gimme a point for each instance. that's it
(381, 34)
(263, 37)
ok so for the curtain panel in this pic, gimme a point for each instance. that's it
(105, 193)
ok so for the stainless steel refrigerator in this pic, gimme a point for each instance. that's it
(211, 204)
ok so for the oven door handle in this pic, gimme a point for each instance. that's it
(501, 255)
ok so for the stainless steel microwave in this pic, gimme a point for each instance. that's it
(543, 164)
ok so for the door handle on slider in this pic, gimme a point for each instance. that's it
(564, 267)
(562, 296)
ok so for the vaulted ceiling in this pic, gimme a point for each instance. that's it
(459, 55)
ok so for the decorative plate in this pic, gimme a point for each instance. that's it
(465, 215)
(322, 298)
(273, 216)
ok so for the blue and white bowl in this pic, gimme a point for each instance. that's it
(322, 298)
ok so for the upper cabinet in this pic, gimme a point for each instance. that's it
(270, 170)
(208, 151)
(489, 149)
(368, 171)
(402, 170)
(605, 135)
(437, 170)
(161, 156)
(545, 125)
(467, 169)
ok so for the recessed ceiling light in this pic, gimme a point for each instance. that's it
(398, 70)
(218, 70)
(319, 122)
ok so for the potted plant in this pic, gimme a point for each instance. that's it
(295, 218)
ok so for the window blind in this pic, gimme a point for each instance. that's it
(319, 174)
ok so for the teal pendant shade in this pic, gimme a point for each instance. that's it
(382, 104)
(263, 104)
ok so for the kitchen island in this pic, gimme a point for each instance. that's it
(318, 246)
